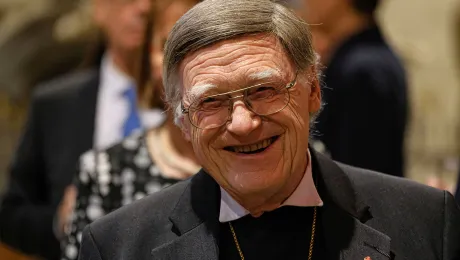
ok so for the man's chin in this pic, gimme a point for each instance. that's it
(255, 194)
(253, 181)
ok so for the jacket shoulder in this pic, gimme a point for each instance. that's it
(399, 197)
(413, 215)
(65, 85)
(375, 183)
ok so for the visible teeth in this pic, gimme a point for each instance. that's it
(266, 142)
(260, 145)
(253, 147)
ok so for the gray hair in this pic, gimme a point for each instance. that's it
(212, 21)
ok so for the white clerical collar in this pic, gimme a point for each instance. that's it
(305, 195)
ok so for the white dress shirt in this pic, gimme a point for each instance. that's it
(305, 195)
(112, 108)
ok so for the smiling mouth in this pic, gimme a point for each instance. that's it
(252, 148)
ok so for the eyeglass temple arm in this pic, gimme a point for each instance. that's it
(183, 109)
(292, 83)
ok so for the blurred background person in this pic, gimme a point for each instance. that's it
(69, 115)
(457, 44)
(364, 116)
(146, 161)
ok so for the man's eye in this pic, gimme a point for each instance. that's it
(208, 100)
(265, 89)
(262, 92)
(210, 103)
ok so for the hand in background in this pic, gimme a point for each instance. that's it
(439, 183)
(65, 210)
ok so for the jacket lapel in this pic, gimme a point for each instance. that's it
(195, 222)
(344, 215)
(346, 238)
(196, 244)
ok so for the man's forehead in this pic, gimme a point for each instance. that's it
(251, 41)
(249, 57)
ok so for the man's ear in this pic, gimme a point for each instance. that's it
(314, 103)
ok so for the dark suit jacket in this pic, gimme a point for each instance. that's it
(364, 214)
(59, 128)
(365, 94)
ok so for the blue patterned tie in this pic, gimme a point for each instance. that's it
(133, 121)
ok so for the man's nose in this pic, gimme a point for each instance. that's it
(243, 121)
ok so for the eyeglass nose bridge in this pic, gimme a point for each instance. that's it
(232, 102)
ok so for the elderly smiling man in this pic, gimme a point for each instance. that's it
(241, 75)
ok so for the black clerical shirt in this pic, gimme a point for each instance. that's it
(284, 233)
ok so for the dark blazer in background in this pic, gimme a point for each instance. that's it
(364, 214)
(365, 94)
(59, 128)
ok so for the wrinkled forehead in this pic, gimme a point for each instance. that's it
(235, 63)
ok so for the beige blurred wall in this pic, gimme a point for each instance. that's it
(423, 33)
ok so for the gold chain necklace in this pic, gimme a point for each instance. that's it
(312, 240)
